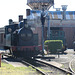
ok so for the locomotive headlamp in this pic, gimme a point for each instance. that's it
(9, 30)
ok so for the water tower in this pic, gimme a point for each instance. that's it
(39, 4)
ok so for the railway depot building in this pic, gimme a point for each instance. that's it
(56, 22)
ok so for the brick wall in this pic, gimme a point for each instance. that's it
(69, 35)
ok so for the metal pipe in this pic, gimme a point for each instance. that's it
(42, 40)
(43, 22)
(64, 8)
(48, 32)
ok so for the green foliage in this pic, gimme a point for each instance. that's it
(53, 45)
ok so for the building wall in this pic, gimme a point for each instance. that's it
(38, 30)
(56, 20)
(69, 35)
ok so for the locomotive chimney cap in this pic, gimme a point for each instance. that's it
(20, 18)
(10, 21)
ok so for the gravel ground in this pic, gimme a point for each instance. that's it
(64, 59)
(52, 71)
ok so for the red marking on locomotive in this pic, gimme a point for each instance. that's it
(22, 48)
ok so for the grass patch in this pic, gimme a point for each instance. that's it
(7, 69)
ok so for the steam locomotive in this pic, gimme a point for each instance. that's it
(21, 41)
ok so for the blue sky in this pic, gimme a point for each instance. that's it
(10, 9)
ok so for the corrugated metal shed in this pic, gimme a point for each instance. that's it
(56, 19)
(54, 14)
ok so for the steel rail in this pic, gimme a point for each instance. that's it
(71, 67)
(24, 62)
(34, 67)
(47, 63)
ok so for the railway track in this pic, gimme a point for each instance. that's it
(38, 70)
(54, 69)
(45, 68)
(25, 62)
(72, 66)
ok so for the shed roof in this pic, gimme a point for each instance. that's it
(54, 14)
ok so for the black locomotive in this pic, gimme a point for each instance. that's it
(21, 41)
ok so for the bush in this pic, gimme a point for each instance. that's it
(53, 45)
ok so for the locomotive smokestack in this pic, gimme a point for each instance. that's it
(10, 21)
(27, 12)
(20, 18)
